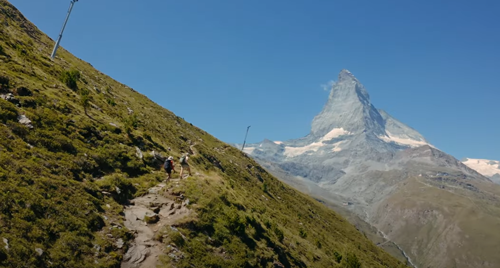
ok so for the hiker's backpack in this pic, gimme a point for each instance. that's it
(183, 160)
(168, 164)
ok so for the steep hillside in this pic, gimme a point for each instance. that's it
(76, 146)
(393, 178)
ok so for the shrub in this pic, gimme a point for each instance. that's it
(121, 188)
(352, 261)
(302, 233)
(85, 102)
(338, 256)
(8, 111)
(111, 102)
(70, 78)
(4, 82)
(130, 123)
(177, 239)
(2, 52)
(264, 187)
(279, 234)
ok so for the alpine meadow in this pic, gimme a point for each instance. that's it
(81, 158)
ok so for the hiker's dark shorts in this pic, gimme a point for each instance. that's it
(169, 171)
(185, 165)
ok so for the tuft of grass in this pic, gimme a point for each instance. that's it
(70, 78)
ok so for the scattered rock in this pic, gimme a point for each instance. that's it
(113, 124)
(130, 111)
(138, 152)
(39, 251)
(96, 107)
(108, 206)
(25, 121)
(97, 249)
(109, 235)
(22, 91)
(119, 243)
(118, 191)
(97, 90)
(106, 193)
(10, 98)
(6, 243)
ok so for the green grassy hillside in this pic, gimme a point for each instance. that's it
(65, 176)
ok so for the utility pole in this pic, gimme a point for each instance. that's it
(62, 30)
(243, 147)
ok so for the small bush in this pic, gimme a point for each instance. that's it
(4, 82)
(177, 239)
(85, 102)
(8, 111)
(264, 187)
(338, 256)
(302, 233)
(130, 123)
(121, 188)
(111, 102)
(352, 261)
(70, 78)
(279, 234)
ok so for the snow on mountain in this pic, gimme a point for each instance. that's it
(291, 151)
(488, 168)
(400, 133)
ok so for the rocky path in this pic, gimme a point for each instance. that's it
(145, 216)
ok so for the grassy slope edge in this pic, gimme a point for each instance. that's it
(64, 181)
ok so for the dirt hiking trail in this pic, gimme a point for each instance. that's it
(145, 216)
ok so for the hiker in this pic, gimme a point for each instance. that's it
(184, 164)
(169, 167)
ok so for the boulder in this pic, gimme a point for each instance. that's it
(22, 119)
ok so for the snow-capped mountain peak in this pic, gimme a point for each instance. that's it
(348, 107)
(488, 168)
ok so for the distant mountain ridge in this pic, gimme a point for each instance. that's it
(489, 168)
(364, 157)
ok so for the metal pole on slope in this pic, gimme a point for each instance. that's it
(56, 46)
(243, 147)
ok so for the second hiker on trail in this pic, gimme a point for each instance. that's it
(169, 167)
(184, 164)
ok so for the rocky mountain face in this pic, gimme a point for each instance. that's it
(374, 164)
(488, 168)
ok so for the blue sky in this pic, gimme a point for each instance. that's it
(225, 64)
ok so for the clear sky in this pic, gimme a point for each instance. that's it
(226, 64)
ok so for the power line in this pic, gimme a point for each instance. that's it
(243, 147)
(56, 46)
